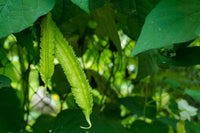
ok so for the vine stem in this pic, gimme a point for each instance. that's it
(25, 83)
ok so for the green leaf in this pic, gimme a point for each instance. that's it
(144, 7)
(112, 111)
(83, 4)
(142, 127)
(169, 121)
(168, 23)
(173, 83)
(71, 104)
(11, 113)
(10, 72)
(100, 83)
(106, 25)
(137, 106)
(43, 124)
(23, 132)
(57, 11)
(76, 25)
(4, 81)
(70, 120)
(64, 10)
(131, 25)
(195, 94)
(132, 14)
(124, 6)
(147, 64)
(184, 57)
(60, 83)
(198, 31)
(93, 4)
(25, 39)
(173, 106)
(16, 15)
(190, 127)
(67, 9)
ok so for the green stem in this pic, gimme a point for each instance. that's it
(24, 83)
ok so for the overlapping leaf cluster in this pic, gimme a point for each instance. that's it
(140, 56)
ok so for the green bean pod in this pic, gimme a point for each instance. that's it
(74, 73)
(47, 51)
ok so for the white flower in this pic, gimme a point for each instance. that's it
(186, 110)
(131, 68)
(185, 115)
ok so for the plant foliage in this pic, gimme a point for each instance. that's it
(120, 66)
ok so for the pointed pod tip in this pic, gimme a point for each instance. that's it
(90, 125)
